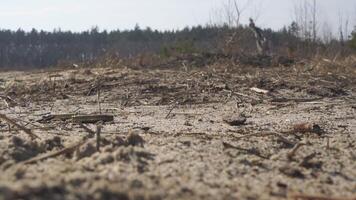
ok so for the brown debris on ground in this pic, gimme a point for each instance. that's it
(220, 131)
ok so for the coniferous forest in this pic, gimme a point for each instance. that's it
(39, 49)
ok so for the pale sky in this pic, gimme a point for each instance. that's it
(78, 15)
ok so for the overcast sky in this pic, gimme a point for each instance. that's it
(78, 15)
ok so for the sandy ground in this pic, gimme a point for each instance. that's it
(189, 148)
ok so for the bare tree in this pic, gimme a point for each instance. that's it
(307, 19)
(314, 21)
(343, 28)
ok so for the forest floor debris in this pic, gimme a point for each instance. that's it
(165, 135)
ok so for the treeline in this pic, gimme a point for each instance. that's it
(42, 49)
(38, 49)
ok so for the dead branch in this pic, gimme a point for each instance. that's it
(316, 197)
(253, 135)
(98, 139)
(292, 153)
(284, 140)
(66, 150)
(24, 129)
(77, 118)
(258, 90)
(279, 136)
(306, 160)
(250, 151)
(88, 130)
(170, 111)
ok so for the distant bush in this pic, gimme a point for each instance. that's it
(179, 47)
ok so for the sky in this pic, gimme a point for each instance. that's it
(79, 15)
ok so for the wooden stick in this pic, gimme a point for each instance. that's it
(98, 131)
(284, 140)
(250, 151)
(253, 135)
(171, 111)
(258, 90)
(78, 118)
(55, 154)
(280, 137)
(24, 129)
(98, 100)
(315, 197)
(91, 132)
(292, 153)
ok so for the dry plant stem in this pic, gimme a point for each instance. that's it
(258, 90)
(284, 140)
(98, 100)
(24, 129)
(170, 111)
(250, 151)
(88, 130)
(307, 159)
(66, 150)
(280, 137)
(292, 153)
(315, 197)
(253, 135)
(98, 131)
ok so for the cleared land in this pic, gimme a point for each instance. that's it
(196, 142)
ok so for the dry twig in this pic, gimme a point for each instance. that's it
(66, 150)
(250, 151)
(279, 136)
(98, 139)
(170, 111)
(88, 130)
(292, 153)
(78, 118)
(316, 197)
(24, 129)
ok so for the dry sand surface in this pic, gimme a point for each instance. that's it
(176, 134)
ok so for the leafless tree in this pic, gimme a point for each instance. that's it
(306, 16)
(343, 28)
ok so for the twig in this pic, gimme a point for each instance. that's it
(55, 154)
(171, 110)
(250, 151)
(91, 132)
(292, 153)
(98, 131)
(280, 137)
(315, 197)
(284, 140)
(305, 161)
(258, 90)
(253, 135)
(24, 129)
(78, 118)
(98, 100)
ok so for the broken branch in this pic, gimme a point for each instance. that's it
(66, 150)
(77, 118)
(24, 129)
